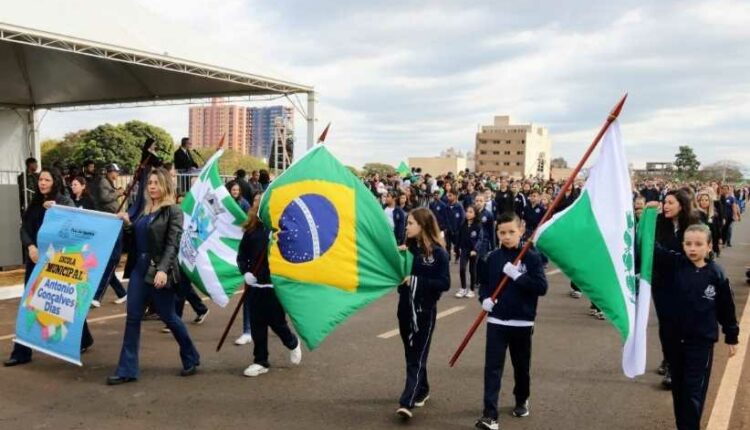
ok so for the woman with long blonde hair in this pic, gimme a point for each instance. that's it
(157, 232)
(417, 305)
(704, 201)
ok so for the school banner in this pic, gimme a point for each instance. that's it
(74, 247)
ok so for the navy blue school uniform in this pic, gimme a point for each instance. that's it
(698, 300)
(440, 210)
(467, 199)
(456, 217)
(469, 239)
(510, 325)
(532, 216)
(417, 311)
(261, 302)
(487, 220)
(520, 202)
(651, 195)
(399, 224)
(503, 202)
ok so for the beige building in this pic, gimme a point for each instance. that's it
(209, 123)
(513, 150)
(438, 165)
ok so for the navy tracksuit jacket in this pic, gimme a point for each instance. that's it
(417, 311)
(696, 300)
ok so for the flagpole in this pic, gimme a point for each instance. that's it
(547, 215)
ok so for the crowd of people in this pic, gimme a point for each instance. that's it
(478, 221)
(483, 220)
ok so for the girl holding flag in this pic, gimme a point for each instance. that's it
(260, 301)
(417, 305)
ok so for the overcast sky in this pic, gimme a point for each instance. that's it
(402, 79)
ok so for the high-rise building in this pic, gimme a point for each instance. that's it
(261, 122)
(516, 150)
(209, 123)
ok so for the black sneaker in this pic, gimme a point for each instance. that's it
(487, 423)
(200, 319)
(421, 401)
(521, 409)
(667, 381)
(662, 369)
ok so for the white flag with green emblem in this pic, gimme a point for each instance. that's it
(592, 242)
(211, 235)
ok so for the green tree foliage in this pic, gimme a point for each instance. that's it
(722, 171)
(107, 143)
(383, 169)
(232, 161)
(686, 162)
(559, 163)
(354, 170)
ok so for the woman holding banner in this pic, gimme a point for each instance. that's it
(49, 192)
(157, 231)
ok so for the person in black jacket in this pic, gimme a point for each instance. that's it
(676, 216)
(708, 216)
(417, 304)
(469, 242)
(157, 232)
(503, 199)
(700, 296)
(48, 193)
(80, 194)
(260, 301)
(510, 323)
(183, 157)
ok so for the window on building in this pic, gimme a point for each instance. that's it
(497, 163)
(519, 152)
(507, 142)
(495, 152)
(506, 152)
(518, 163)
(482, 152)
(523, 142)
(506, 163)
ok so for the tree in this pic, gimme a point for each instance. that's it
(380, 168)
(232, 161)
(686, 162)
(354, 170)
(120, 144)
(558, 163)
(722, 171)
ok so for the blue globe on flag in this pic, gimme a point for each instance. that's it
(308, 228)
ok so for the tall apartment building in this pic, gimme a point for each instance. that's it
(261, 122)
(516, 150)
(209, 123)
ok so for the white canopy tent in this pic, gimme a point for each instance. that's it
(42, 70)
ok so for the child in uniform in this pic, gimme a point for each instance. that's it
(510, 322)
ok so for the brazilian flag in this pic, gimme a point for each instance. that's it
(332, 251)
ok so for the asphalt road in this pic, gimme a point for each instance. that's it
(354, 379)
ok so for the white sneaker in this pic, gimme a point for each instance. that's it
(576, 294)
(255, 370)
(470, 295)
(404, 413)
(461, 293)
(244, 339)
(95, 304)
(295, 355)
(121, 300)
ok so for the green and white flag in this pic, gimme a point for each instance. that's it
(211, 235)
(593, 242)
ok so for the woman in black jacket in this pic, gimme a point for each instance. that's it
(708, 216)
(676, 216)
(417, 304)
(260, 301)
(157, 232)
(49, 192)
(80, 194)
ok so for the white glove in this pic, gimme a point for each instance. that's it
(250, 279)
(512, 271)
(488, 304)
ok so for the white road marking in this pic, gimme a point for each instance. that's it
(724, 403)
(553, 272)
(445, 313)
